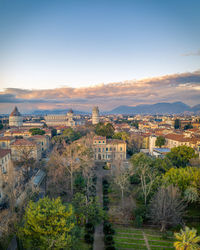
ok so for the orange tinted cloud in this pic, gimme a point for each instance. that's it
(178, 87)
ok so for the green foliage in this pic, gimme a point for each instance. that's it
(79, 183)
(121, 136)
(191, 194)
(104, 130)
(187, 239)
(1, 126)
(162, 165)
(87, 209)
(53, 132)
(48, 224)
(138, 221)
(89, 238)
(188, 126)
(177, 124)
(37, 131)
(71, 135)
(180, 156)
(160, 141)
(182, 177)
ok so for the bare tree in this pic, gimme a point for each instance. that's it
(121, 178)
(25, 159)
(167, 207)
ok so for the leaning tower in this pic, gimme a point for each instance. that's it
(95, 115)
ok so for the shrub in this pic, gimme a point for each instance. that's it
(138, 221)
(108, 239)
(105, 182)
(110, 248)
(89, 238)
(89, 227)
(107, 228)
(106, 208)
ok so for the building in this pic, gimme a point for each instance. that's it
(160, 152)
(42, 140)
(95, 115)
(5, 165)
(109, 149)
(68, 120)
(5, 141)
(15, 118)
(25, 148)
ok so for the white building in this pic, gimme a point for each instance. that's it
(95, 115)
(69, 120)
(15, 118)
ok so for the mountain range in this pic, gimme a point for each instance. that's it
(158, 108)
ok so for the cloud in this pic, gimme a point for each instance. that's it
(182, 87)
(196, 53)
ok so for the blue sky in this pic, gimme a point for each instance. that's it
(49, 44)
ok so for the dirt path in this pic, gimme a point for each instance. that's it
(98, 236)
(146, 241)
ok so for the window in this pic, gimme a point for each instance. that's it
(110, 149)
(106, 149)
(99, 141)
(120, 148)
(103, 141)
(95, 142)
(103, 149)
(99, 149)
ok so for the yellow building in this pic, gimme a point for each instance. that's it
(109, 149)
(22, 147)
(5, 142)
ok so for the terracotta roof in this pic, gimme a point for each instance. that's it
(180, 138)
(99, 138)
(15, 112)
(7, 138)
(115, 141)
(23, 142)
(4, 152)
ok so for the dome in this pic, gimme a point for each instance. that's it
(70, 111)
(15, 112)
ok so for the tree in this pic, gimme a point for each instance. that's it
(1, 126)
(181, 155)
(183, 178)
(187, 239)
(166, 207)
(71, 135)
(162, 164)
(121, 136)
(177, 124)
(122, 177)
(142, 166)
(160, 141)
(37, 131)
(48, 224)
(104, 130)
(87, 210)
(188, 126)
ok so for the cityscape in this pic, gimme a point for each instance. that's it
(88, 159)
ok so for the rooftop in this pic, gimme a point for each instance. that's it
(15, 112)
(4, 152)
(23, 142)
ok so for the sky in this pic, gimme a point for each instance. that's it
(80, 49)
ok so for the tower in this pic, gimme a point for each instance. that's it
(15, 118)
(95, 115)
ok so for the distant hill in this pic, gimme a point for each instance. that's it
(158, 108)
(57, 112)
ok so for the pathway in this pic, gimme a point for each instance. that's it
(99, 235)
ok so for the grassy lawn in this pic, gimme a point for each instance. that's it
(132, 238)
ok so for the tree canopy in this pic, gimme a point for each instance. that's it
(160, 141)
(37, 131)
(181, 155)
(104, 130)
(48, 224)
(177, 124)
